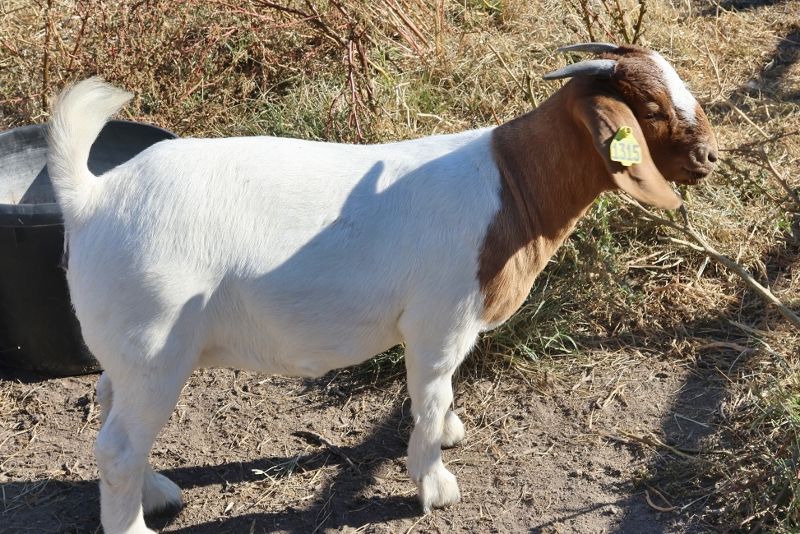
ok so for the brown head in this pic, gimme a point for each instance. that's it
(635, 87)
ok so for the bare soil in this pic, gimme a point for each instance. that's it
(254, 453)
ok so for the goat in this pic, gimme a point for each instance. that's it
(296, 257)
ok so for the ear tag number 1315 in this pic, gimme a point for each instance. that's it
(624, 147)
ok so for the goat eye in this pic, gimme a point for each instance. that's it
(651, 111)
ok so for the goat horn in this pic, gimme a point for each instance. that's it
(594, 48)
(601, 68)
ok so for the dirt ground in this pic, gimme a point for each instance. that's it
(254, 453)
(571, 452)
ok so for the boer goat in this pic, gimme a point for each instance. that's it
(297, 257)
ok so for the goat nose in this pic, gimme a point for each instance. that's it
(706, 155)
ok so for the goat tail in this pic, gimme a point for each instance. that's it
(77, 117)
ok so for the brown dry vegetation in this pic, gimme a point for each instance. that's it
(624, 297)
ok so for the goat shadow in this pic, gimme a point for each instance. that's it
(52, 505)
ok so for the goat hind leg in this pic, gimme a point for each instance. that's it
(454, 431)
(158, 492)
(142, 403)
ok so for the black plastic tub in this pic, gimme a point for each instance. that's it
(38, 329)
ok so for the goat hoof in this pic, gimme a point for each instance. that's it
(160, 494)
(438, 489)
(454, 432)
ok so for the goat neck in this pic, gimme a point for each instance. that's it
(550, 175)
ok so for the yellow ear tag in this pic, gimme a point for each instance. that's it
(624, 147)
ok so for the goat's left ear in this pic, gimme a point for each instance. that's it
(603, 116)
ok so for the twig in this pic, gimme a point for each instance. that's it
(411, 26)
(316, 439)
(700, 244)
(656, 443)
(526, 90)
(747, 119)
(314, 18)
(691, 420)
(587, 19)
(417, 522)
(355, 99)
(618, 15)
(78, 39)
(744, 147)
(669, 508)
(781, 180)
(637, 28)
(46, 58)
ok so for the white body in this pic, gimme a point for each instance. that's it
(277, 255)
(280, 255)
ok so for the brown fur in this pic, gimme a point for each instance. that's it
(550, 177)
(553, 163)
(675, 145)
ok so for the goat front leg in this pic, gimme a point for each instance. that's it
(430, 372)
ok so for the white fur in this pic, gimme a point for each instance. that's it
(158, 492)
(82, 114)
(454, 431)
(277, 255)
(682, 99)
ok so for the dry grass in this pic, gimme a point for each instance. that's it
(18, 427)
(373, 71)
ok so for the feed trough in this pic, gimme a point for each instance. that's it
(38, 329)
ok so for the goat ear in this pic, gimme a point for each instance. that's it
(603, 116)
